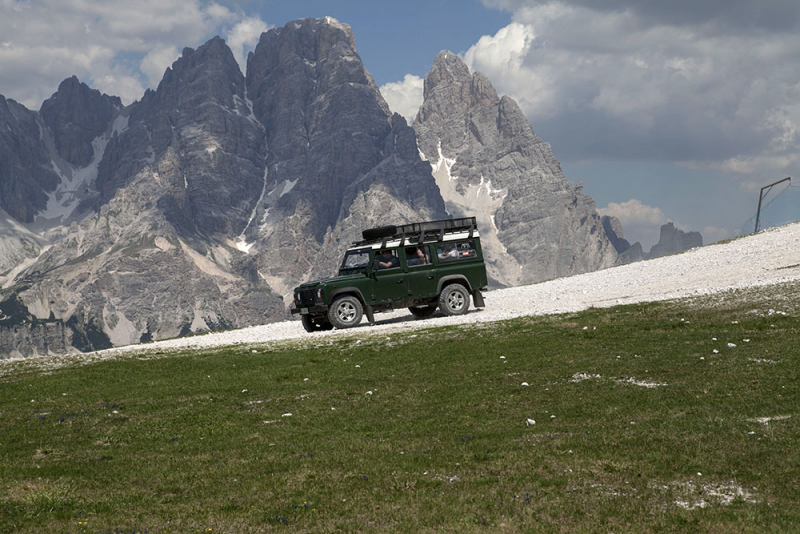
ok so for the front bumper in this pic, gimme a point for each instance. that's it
(310, 310)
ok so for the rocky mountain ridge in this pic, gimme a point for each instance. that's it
(202, 205)
(671, 240)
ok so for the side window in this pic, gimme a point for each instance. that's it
(385, 259)
(456, 250)
(417, 256)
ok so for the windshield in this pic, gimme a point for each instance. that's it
(355, 261)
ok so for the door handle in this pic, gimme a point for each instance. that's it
(399, 280)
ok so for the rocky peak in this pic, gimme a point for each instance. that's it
(338, 160)
(322, 113)
(199, 138)
(488, 162)
(309, 39)
(318, 54)
(209, 74)
(447, 87)
(672, 240)
(76, 116)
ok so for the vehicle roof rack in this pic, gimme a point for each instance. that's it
(418, 232)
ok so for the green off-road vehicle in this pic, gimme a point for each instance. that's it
(420, 266)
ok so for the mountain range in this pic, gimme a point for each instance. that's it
(200, 206)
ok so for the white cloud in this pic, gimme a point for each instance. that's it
(404, 97)
(156, 62)
(119, 46)
(626, 80)
(634, 212)
(119, 83)
(244, 36)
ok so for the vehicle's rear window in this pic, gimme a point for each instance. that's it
(456, 250)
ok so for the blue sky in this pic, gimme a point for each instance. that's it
(675, 110)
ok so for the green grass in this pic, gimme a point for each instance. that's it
(198, 442)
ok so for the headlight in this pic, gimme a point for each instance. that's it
(319, 294)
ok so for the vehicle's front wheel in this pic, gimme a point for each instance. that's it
(426, 311)
(315, 324)
(454, 300)
(345, 312)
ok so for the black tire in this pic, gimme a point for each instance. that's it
(422, 312)
(454, 300)
(345, 312)
(315, 324)
(381, 231)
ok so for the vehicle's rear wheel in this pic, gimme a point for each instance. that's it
(426, 311)
(315, 324)
(345, 312)
(454, 300)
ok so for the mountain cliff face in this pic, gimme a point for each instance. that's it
(18, 245)
(26, 174)
(338, 160)
(487, 161)
(174, 178)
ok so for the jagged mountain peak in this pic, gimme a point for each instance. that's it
(323, 48)
(449, 69)
(72, 89)
(207, 72)
(487, 161)
(449, 63)
(197, 135)
(330, 30)
(77, 115)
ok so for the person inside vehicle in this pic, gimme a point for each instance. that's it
(447, 251)
(416, 256)
(386, 260)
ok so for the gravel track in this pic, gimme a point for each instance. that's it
(770, 257)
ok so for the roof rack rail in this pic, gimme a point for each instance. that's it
(422, 231)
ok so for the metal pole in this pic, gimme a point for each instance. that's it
(761, 195)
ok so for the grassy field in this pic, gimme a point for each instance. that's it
(639, 426)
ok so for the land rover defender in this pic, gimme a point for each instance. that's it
(419, 266)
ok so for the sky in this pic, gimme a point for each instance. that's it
(665, 111)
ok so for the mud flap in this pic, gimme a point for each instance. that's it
(477, 298)
(368, 313)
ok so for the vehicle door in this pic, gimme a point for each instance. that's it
(389, 280)
(421, 272)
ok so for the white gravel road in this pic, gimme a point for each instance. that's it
(770, 257)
